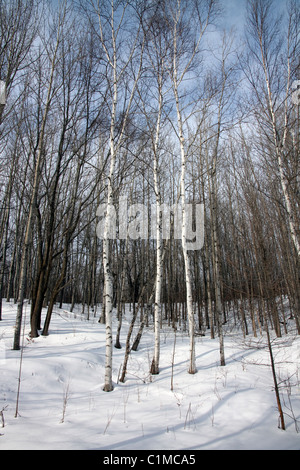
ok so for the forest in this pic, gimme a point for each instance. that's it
(111, 108)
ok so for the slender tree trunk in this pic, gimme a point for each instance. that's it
(216, 266)
(159, 246)
(108, 280)
(187, 261)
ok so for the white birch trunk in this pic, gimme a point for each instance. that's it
(283, 180)
(157, 305)
(216, 264)
(159, 246)
(280, 145)
(177, 80)
(114, 147)
(187, 263)
(108, 281)
(214, 225)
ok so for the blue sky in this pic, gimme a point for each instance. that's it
(235, 11)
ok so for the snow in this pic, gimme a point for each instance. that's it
(62, 405)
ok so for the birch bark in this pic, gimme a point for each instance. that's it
(200, 16)
(187, 263)
(159, 243)
(117, 68)
(108, 281)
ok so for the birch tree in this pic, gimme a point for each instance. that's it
(123, 57)
(157, 34)
(224, 107)
(272, 43)
(187, 18)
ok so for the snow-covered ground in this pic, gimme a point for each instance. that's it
(62, 405)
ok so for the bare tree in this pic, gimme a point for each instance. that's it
(119, 59)
(158, 37)
(18, 28)
(19, 23)
(272, 85)
(37, 174)
(186, 18)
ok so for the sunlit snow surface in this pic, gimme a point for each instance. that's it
(62, 405)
